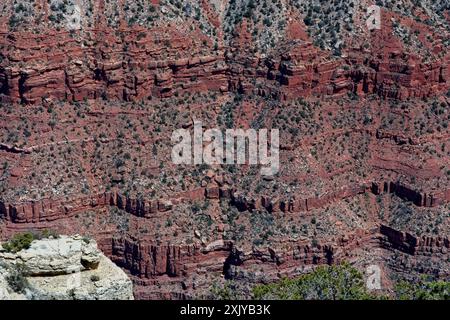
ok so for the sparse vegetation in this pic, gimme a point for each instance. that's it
(22, 241)
(16, 278)
(423, 290)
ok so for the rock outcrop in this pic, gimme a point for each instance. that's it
(62, 268)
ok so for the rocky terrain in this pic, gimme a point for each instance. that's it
(91, 91)
(62, 268)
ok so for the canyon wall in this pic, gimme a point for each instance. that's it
(138, 63)
(53, 209)
(153, 264)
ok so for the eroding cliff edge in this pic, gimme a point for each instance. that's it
(63, 268)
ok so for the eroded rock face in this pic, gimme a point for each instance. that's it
(86, 117)
(64, 255)
(107, 282)
(6, 293)
(62, 268)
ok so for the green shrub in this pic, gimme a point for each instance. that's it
(95, 278)
(22, 241)
(340, 282)
(45, 234)
(230, 290)
(18, 242)
(16, 279)
(343, 282)
(86, 240)
(423, 290)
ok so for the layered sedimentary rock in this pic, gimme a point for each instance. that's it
(129, 66)
(54, 209)
(300, 69)
(137, 63)
(88, 113)
(406, 192)
(408, 243)
(148, 261)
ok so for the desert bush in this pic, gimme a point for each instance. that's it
(340, 282)
(16, 279)
(19, 242)
(22, 241)
(423, 290)
(95, 278)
